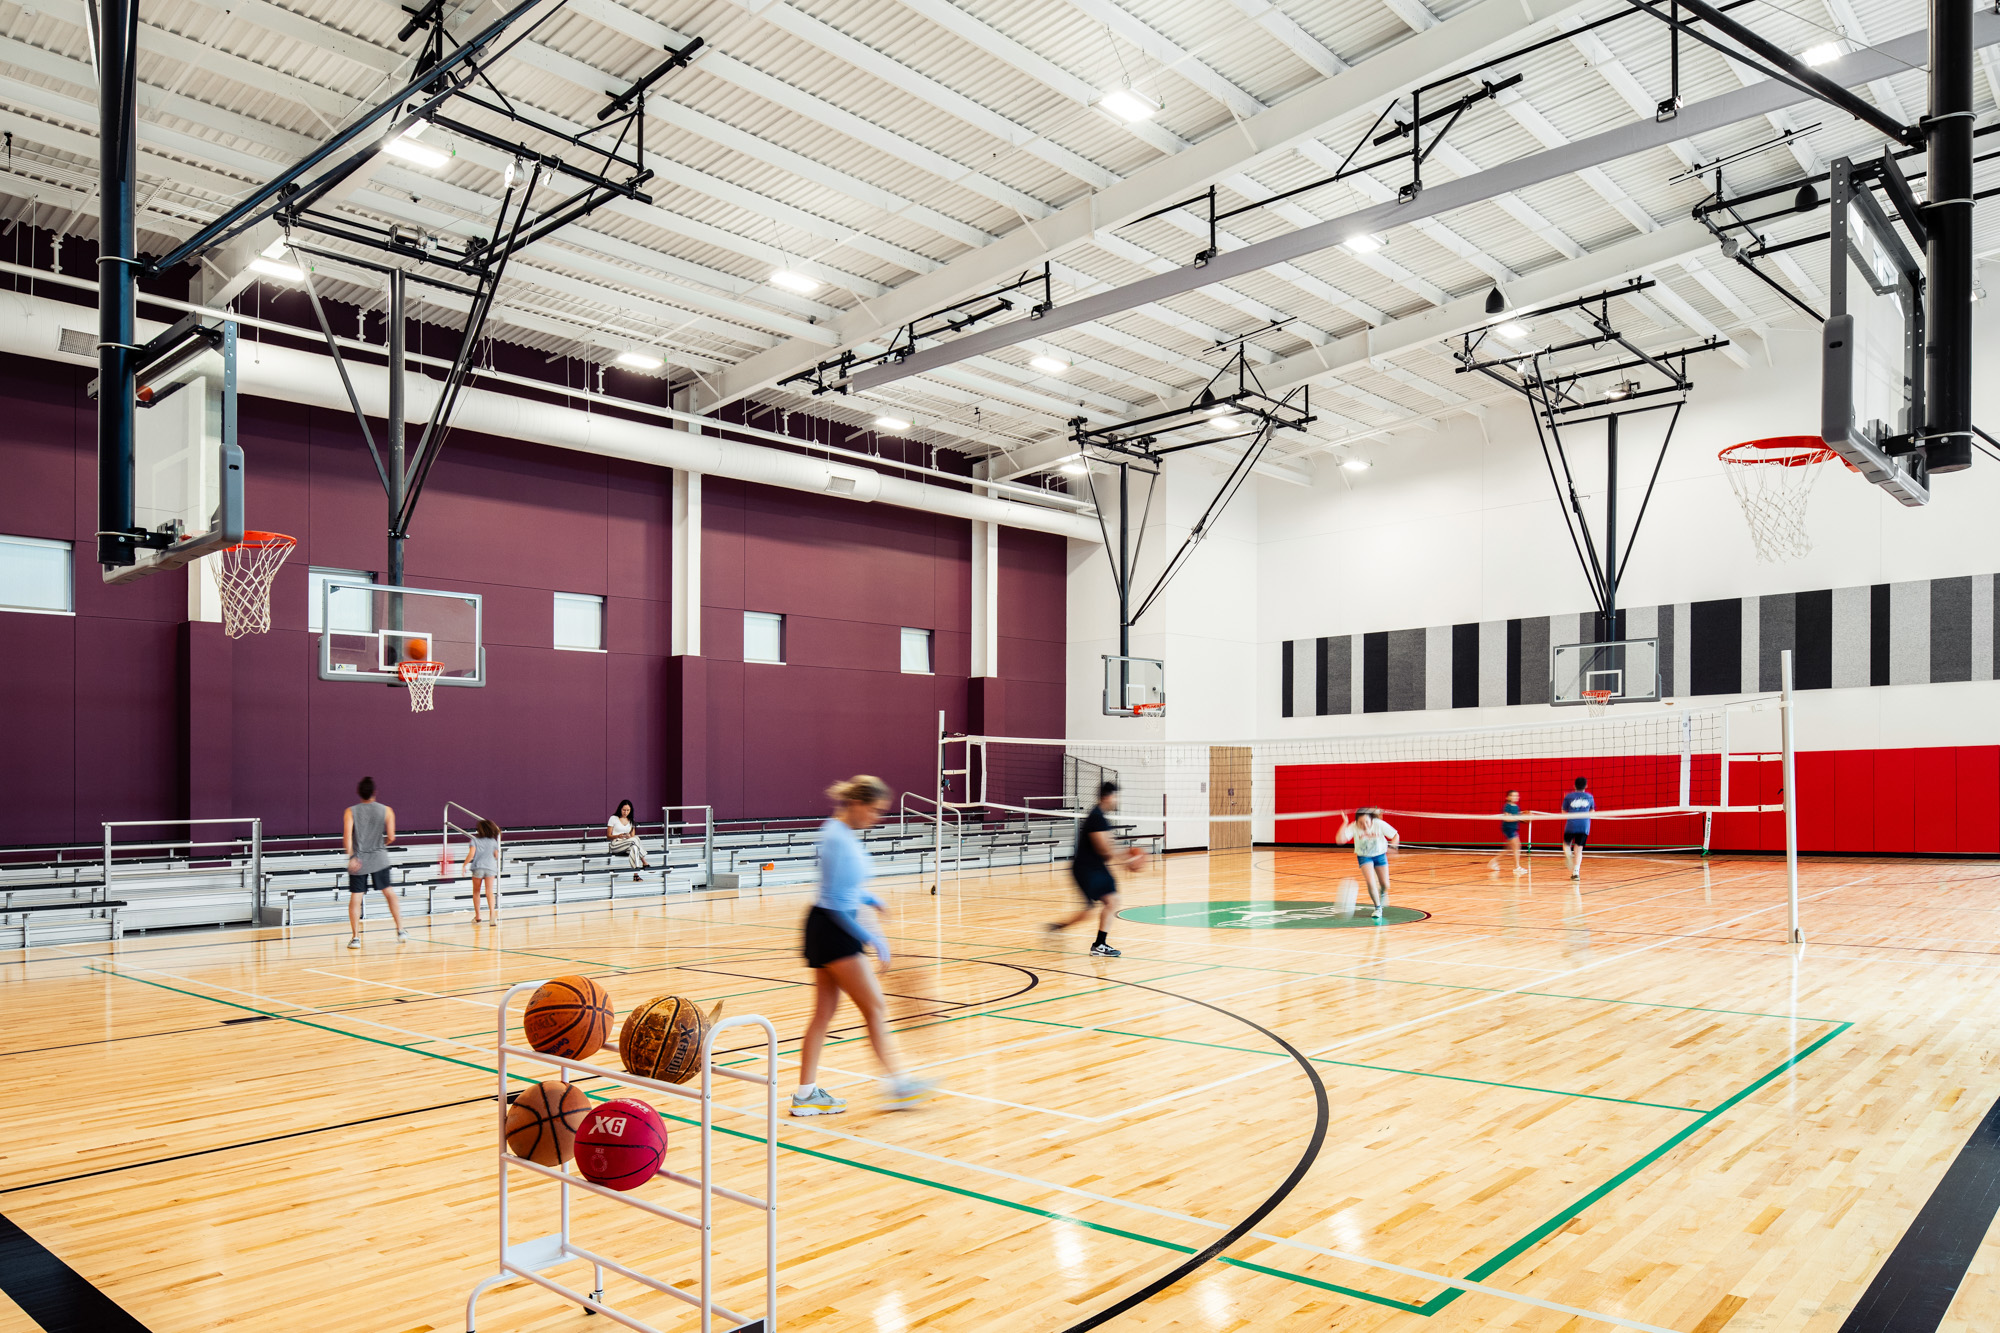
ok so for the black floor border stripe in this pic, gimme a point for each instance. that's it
(1918, 1281)
(52, 1293)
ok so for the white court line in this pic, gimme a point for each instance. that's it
(306, 1008)
(972, 1096)
(455, 999)
(1490, 998)
(1209, 1222)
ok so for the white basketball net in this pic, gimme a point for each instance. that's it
(1773, 480)
(1599, 701)
(421, 677)
(243, 579)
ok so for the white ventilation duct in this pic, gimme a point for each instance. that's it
(57, 331)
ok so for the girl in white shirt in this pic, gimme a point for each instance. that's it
(624, 836)
(1373, 838)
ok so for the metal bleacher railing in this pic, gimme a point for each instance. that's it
(190, 873)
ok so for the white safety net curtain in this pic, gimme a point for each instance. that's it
(1653, 774)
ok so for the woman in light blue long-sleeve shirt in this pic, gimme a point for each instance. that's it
(837, 936)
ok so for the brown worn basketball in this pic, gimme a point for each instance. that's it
(568, 1016)
(543, 1121)
(662, 1038)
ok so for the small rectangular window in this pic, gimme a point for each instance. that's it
(763, 637)
(352, 614)
(580, 622)
(917, 652)
(35, 575)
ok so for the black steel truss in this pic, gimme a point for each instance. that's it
(1233, 391)
(1556, 403)
(833, 374)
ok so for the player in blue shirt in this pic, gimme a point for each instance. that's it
(1576, 832)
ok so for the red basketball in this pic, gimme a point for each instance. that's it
(621, 1144)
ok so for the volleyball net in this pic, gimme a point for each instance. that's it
(1661, 779)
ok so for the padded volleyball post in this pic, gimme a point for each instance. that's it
(529, 1260)
(1787, 699)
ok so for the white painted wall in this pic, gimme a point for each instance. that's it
(1461, 524)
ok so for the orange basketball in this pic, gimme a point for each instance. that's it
(568, 1016)
(543, 1120)
(416, 649)
(662, 1038)
(1135, 860)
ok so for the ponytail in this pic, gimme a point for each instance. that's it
(862, 789)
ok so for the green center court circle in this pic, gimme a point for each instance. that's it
(1267, 914)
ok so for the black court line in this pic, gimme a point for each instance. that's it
(52, 1293)
(1257, 1214)
(1918, 1280)
(231, 1147)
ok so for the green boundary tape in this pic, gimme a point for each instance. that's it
(1430, 1307)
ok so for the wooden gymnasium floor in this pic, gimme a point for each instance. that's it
(1629, 1106)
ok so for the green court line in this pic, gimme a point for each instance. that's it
(1431, 1307)
(1349, 1064)
(1563, 1218)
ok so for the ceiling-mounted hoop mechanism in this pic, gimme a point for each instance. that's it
(834, 374)
(1557, 399)
(1232, 396)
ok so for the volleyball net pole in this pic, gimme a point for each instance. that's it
(1787, 701)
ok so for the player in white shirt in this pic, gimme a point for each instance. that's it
(1373, 838)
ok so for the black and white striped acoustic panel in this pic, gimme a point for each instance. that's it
(1923, 632)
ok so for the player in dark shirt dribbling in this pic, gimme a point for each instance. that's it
(1090, 866)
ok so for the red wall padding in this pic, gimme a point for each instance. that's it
(1945, 799)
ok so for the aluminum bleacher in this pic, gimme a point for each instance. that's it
(59, 894)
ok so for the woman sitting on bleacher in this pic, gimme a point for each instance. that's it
(624, 837)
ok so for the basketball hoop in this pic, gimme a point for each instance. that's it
(1140, 710)
(1599, 701)
(243, 577)
(1773, 479)
(421, 676)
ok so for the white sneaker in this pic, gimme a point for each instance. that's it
(818, 1102)
(907, 1094)
(402, 937)
(1520, 870)
(1576, 874)
(1492, 865)
(354, 943)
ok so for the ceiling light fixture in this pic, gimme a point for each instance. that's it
(1622, 389)
(1128, 106)
(1356, 465)
(640, 360)
(1230, 423)
(1048, 365)
(1495, 303)
(271, 268)
(1512, 329)
(1363, 244)
(1221, 410)
(1075, 467)
(1823, 54)
(276, 249)
(891, 423)
(795, 282)
(405, 146)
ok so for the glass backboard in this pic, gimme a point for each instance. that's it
(1872, 372)
(187, 471)
(371, 629)
(1628, 668)
(1134, 686)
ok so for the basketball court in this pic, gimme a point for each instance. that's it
(924, 664)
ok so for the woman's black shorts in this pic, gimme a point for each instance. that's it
(828, 938)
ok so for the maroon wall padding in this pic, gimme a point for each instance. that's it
(120, 712)
(1942, 800)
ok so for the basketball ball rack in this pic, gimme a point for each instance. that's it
(531, 1259)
